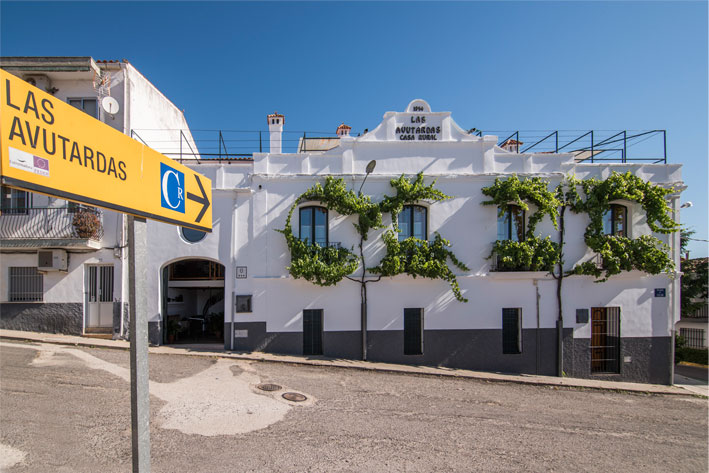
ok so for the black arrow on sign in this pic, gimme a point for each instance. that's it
(204, 200)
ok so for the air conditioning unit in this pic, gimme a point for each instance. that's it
(52, 260)
(41, 81)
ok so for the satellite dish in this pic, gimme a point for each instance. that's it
(110, 105)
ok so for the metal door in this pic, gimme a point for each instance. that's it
(99, 297)
(312, 331)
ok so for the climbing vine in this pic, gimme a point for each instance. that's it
(417, 257)
(409, 192)
(327, 266)
(324, 266)
(617, 253)
(533, 253)
(513, 191)
(620, 253)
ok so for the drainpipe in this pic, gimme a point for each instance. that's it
(538, 354)
(674, 247)
(560, 320)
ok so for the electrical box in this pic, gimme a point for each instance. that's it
(581, 316)
(52, 260)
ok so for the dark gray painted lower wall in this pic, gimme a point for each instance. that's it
(49, 317)
(649, 360)
(117, 313)
(154, 332)
(471, 349)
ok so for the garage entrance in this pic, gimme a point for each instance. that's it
(193, 302)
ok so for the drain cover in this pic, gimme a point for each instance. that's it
(295, 397)
(268, 387)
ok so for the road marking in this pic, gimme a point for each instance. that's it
(209, 403)
(10, 456)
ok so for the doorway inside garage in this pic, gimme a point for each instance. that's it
(193, 302)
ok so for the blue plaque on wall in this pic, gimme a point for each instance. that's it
(660, 292)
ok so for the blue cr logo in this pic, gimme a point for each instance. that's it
(172, 188)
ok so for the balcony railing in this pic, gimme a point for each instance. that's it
(51, 223)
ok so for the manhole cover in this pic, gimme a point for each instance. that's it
(268, 387)
(295, 397)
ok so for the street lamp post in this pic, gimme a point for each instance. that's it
(363, 284)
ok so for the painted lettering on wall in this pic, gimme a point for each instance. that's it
(419, 128)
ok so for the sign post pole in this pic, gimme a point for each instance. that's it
(139, 382)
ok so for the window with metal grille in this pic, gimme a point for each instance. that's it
(88, 105)
(15, 201)
(413, 331)
(313, 225)
(25, 284)
(413, 222)
(694, 337)
(615, 220)
(605, 340)
(512, 331)
(510, 224)
(100, 283)
(312, 331)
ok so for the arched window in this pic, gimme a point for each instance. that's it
(510, 225)
(313, 225)
(192, 236)
(615, 221)
(413, 222)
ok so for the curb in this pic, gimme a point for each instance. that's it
(696, 365)
(533, 380)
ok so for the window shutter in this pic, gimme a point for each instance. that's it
(413, 331)
(511, 331)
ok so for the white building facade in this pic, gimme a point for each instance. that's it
(266, 309)
(233, 285)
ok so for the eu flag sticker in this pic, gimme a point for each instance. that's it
(172, 188)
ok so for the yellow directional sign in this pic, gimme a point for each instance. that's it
(50, 147)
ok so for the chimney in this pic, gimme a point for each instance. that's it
(511, 145)
(343, 130)
(275, 128)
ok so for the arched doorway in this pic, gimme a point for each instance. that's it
(193, 302)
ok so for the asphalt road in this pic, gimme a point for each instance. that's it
(67, 409)
(694, 372)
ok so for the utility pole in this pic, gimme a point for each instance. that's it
(139, 383)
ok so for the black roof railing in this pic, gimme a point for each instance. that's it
(590, 146)
(619, 146)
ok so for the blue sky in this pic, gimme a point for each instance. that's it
(496, 66)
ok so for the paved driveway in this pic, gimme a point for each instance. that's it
(67, 409)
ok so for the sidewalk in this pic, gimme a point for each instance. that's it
(686, 388)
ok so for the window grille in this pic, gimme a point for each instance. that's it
(15, 201)
(605, 340)
(694, 337)
(511, 331)
(25, 284)
(413, 331)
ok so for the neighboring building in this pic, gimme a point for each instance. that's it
(232, 285)
(693, 325)
(62, 263)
